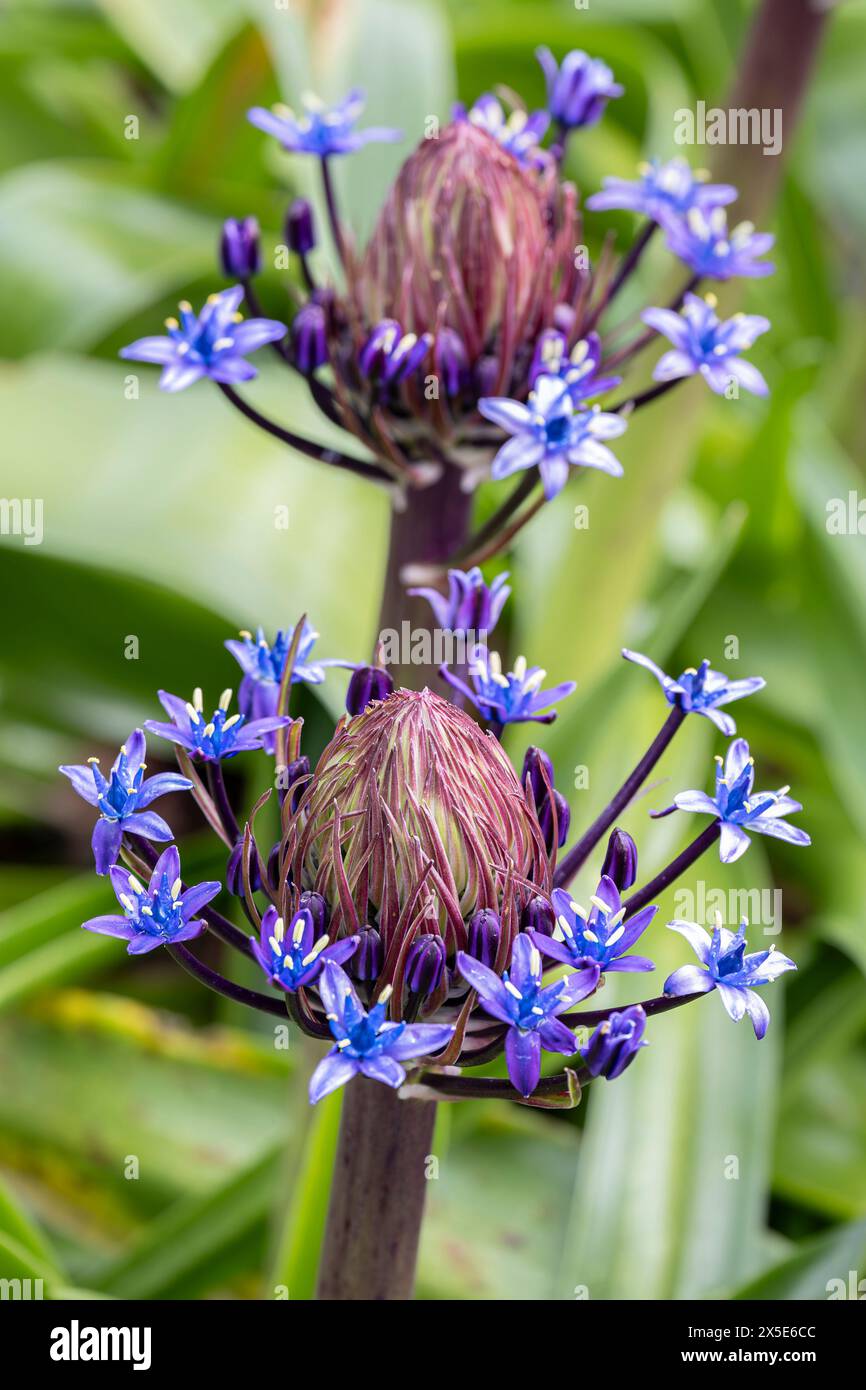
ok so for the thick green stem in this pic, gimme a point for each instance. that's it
(377, 1196)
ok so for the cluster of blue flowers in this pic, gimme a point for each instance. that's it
(557, 934)
(553, 420)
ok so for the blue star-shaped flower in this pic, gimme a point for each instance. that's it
(211, 740)
(709, 346)
(703, 241)
(615, 1043)
(161, 914)
(519, 133)
(320, 130)
(578, 368)
(550, 433)
(739, 810)
(529, 1009)
(214, 343)
(725, 967)
(662, 189)
(701, 691)
(263, 664)
(512, 698)
(599, 935)
(122, 797)
(293, 959)
(366, 1043)
(471, 605)
(578, 88)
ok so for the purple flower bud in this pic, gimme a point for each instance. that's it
(615, 1043)
(368, 683)
(483, 936)
(390, 355)
(451, 361)
(535, 764)
(296, 773)
(486, 375)
(318, 909)
(620, 861)
(300, 228)
(538, 915)
(425, 964)
(310, 337)
(563, 819)
(239, 248)
(369, 958)
(235, 872)
(273, 867)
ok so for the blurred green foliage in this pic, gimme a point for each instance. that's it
(158, 524)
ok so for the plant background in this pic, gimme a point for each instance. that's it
(159, 523)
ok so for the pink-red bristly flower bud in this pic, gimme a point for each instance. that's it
(415, 821)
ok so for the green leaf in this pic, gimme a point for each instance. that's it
(673, 1168)
(128, 248)
(300, 1242)
(225, 499)
(828, 1267)
(178, 1250)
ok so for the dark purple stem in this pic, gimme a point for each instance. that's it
(377, 1196)
(660, 1005)
(638, 344)
(579, 853)
(333, 457)
(627, 266)
(333, 215)
(673, 871)
(217, 788)
(652, 394)
(237, 993)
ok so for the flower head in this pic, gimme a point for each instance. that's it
(471, 604)
(702, 691)
(320, 130)
(705, 344)
(663, 189)
(263, 664)
(599, 935)
(702, 239)
(578, 368)
(515, 697)
(293, 959)
(550, 433)
(462, 241)
(615, 1043)
(214, 343)
(528, 1008)
(223, 735)
(725, 967)
(366, 1043)
(739, 809)
(162, 914)
(122, 797)
(414, 821)
(518, 133)
(578, 89)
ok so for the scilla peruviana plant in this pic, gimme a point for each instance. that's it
(415, 913)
